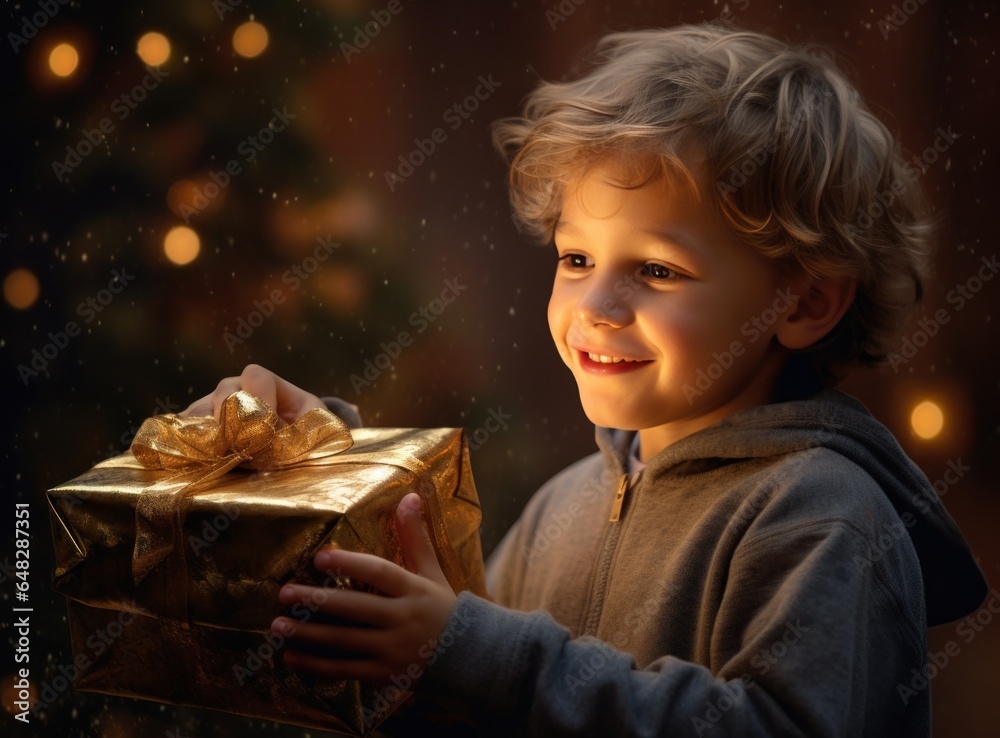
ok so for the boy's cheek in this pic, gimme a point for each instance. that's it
(553, 319)
(559, 324)
(560, 343)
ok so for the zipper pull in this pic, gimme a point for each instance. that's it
(616, 508)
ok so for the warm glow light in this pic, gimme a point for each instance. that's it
(181, 245)
(153, 48)
(20, 289)
(11, 691)
(927, 419)
(198, 196)
(250, 39)
(63, 60)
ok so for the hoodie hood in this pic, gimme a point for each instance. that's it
(954, 584)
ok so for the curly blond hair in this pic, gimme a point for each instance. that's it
(786, 151)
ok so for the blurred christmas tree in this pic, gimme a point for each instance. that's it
(193, 187)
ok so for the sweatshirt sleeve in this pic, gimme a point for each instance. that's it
(344, 410)
(807, 642)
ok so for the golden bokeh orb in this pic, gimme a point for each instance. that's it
(153, 48)
(20, 289)
(250, 39)
(927, 419)
(63, 60)
(12, 690)
(181, 245)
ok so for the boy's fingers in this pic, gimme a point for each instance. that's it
(289, 401)
(418, 551)
(361, 607)
(360, 669)
(225, 388)
(198, 408)
(210, 404)
(259, 382)
(383, 575)
(293, 401)
(345, 637)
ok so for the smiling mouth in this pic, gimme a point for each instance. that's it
(610, 359)
(603, 364)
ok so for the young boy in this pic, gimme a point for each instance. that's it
(750, 552)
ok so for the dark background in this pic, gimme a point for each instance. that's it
(160, 343)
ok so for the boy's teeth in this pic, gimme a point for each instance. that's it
(607, 359)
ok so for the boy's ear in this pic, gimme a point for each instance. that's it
(820, 306)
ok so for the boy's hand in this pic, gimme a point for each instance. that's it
(289, 401)
(391, 631)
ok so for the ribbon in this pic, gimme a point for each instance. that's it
(250, 434)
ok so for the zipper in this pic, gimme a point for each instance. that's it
(603, 575)
(616, 508)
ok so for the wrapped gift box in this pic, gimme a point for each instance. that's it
(172, 555)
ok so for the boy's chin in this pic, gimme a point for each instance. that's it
(609, 417)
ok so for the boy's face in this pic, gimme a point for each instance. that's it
(652, 276)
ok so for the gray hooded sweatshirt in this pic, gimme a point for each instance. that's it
(772, 575)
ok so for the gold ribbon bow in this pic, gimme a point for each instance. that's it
(249, 433)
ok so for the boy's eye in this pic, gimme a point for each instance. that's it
(658, 272)
(574, 261)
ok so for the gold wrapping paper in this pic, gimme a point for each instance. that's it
(172, 555)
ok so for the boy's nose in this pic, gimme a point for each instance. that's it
(601, 305)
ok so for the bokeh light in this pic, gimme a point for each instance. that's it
(9, 692)
(63, 60)
(190, 197)
(250, 39)
(153, 48)
(181, 245)
(927, 419)
(20, 289)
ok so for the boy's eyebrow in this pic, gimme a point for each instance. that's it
(671, 238)
(667, 238)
